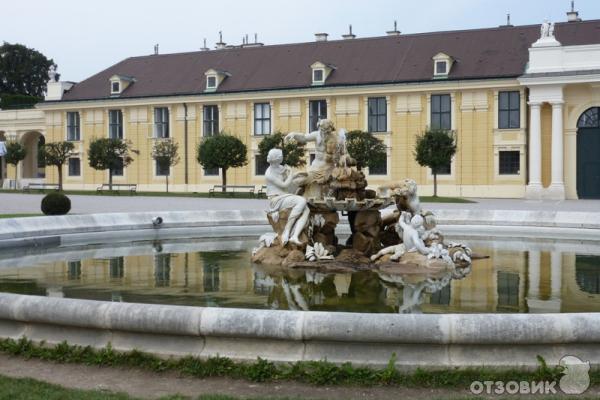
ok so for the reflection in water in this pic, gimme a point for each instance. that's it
(514, 279)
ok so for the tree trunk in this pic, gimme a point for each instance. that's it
(224, 175)
(16, 174)
(167, 178)
(60, 178)
(435, 184)
(110, 172)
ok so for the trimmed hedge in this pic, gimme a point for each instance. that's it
(56, 204)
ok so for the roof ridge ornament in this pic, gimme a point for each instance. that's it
(547, 38)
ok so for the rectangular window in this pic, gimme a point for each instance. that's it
(211, 120)
(74, 166)
(440, 112)
(162, 270)
(115, 124)
(262, 118)
(73, 127)
(440, 67)
(118, 170)
(162, 170)
(317, 112)
(115, 87)
(117, 268)
(510, 162)
(211, 171)
(508, 291)
(260, 166)
(211, 82)
(509, 110)
(74, 270)
(161, 122)
(318, 75)
(377, 114)
(380, 169)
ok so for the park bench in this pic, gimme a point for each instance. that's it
(232, 189)
(118, 187)
(262, 192)
(40, 186)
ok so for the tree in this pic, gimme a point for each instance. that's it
(57, 154)
(435, 149)
(110, 154)
(222, 151)
(15, 152)
(23, 70)
(293, 152)
(165, 153)
(366, 149)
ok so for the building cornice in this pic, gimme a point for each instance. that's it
(349, 90)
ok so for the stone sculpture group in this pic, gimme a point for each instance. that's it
(305, 210)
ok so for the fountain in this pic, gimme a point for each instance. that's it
(305, 209)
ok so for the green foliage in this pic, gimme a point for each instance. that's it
(23, 70)
(366, 149)
(435, 149)
(293, 152)
(314, 372)
(57, 154)
(222, 151)
(56, 204)
(15, 153)
(108, 153)
(12, 101)
(165, 153)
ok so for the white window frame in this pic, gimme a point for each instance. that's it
(315, 81)
(270, 130)
(216, 81)
(154, 171)
(169, 122)
(79, 139)
(438, 62)
(122, 121)
(112, 87)
(75, 177)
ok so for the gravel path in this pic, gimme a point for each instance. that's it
(30, 203)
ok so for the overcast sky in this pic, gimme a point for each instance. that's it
(84, 37)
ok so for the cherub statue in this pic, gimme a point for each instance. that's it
(279, 182)
(411, 238)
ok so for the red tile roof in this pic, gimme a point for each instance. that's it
(478, 54)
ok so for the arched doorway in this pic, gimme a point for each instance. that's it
(33, 166)
(588, 154)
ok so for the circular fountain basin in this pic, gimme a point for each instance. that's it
(95, 279)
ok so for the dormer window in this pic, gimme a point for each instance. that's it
(318, 75)
(118, 84)
(442, 63)
(441, 67)
(211, 82)
(214, 78)
(320, 72)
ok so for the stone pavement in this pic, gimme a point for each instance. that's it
(30, 203)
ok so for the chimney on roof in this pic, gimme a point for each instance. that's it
(507, 21)
(349, 35)
(573, 16)
(220, 44)
(255, 44)
(321, 37)
(395, 32)
(156, 49)
(204, 48)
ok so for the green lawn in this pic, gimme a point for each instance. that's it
(19, 215)
(31, 389)
(431, 199)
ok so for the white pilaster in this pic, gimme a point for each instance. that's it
(556, 191)
(534, 188)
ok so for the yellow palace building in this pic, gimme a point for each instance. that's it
(523, 101)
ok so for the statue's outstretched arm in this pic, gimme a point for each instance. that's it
(302, 137)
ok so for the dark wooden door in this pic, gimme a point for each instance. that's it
(588, 163)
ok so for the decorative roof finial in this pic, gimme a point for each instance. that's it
(52, 73)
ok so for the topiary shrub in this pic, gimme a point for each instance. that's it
(56, 204)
